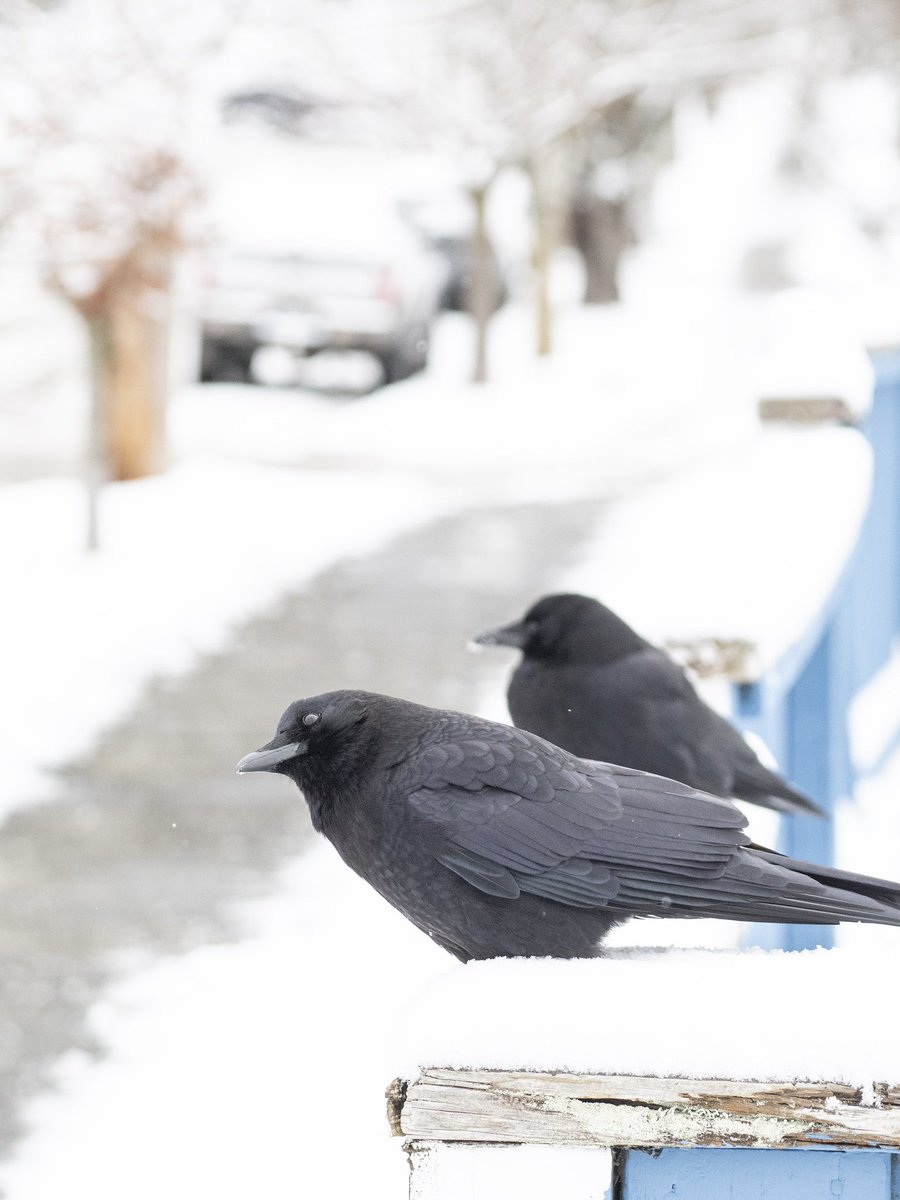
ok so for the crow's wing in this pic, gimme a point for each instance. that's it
(643, 712)
(663, 724)
(512, 813)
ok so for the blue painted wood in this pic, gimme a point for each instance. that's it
(801, 707)
(740, 1174)
(809, 726)
(879, 569)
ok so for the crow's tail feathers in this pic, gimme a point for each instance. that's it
(884, 891)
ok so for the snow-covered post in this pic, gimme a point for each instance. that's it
(654, 1073)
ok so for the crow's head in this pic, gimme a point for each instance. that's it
(567, 628)
(545, 629)
(311, 735)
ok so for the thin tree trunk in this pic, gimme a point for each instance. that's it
(548, 184)
(543, 254)
(96, 465)
(483, 283)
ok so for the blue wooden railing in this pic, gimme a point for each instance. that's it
(801, 707)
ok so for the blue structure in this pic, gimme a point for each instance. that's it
(801, 708)
(737, 1174)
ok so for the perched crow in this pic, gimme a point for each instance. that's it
(592, 685)
(495, 842)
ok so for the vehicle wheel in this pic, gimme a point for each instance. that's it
(407, 358)
(225, 362)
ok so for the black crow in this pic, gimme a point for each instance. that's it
(592, 685)
(495, 842)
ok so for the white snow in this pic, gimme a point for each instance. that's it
(635, 413)
(712, 552)
(242, 1070)
(750, 1015)
(446, 1171)
(186, 556)
(811, 351)
(874, 717)
(257, 1068)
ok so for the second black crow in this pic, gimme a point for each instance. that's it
(497, 843)
(591, 684)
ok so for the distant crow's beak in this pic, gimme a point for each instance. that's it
(517, 635)
(269, 758)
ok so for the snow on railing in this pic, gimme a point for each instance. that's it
(804, 708)
(627, 1076)
(789, 587)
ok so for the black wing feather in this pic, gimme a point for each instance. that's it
(511, 813)
(565, 829)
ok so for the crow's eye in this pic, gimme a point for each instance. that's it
(310, 719)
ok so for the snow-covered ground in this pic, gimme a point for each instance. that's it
(265, 491)
(249, 1069)
(228, 1069)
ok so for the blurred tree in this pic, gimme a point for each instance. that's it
(622, 147)
(104, 108)
(573, 92)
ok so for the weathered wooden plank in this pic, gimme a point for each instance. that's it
(616, 1110)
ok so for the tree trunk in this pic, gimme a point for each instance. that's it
(602, 234)
(96, 466)
(548, 187)
(482, 284)
(542, 257)
(128, 325)
(136, 375)
(127, 322)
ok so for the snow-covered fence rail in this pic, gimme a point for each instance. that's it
(662, 1137)
(741, 1100)
(841, 668)
(774, 573)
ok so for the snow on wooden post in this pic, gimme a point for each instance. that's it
(782, 1137)
(744, 1101)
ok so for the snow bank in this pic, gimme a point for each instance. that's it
(811, 351)
(185, 557)
(825, 1015)
(242, 1069)
(625, 398)
(188, 555)
(743, 548)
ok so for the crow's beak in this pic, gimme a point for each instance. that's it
(517, 635)
(270, 758)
